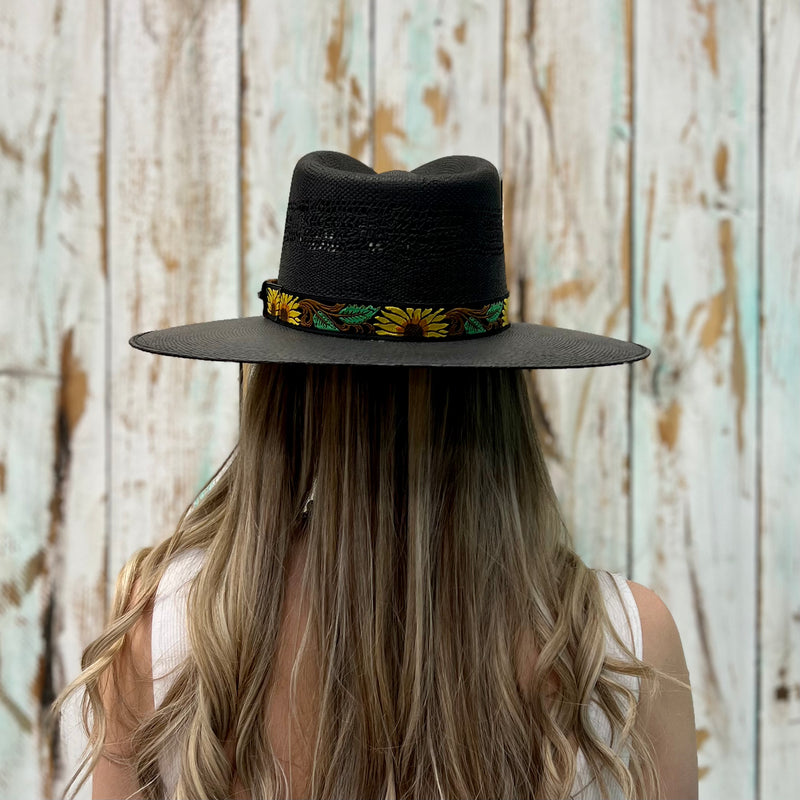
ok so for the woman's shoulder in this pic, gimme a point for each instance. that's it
(668, 710)
(660, 636)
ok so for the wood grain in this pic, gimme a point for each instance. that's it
(438, 77)
(173, 237)
(694, 402)
(628, 138)
(567, 155)
(52, 371)
(306, 77)
(779, 690)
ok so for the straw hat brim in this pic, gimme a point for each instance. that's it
(524, 345)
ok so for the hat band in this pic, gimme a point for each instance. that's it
(365, 320)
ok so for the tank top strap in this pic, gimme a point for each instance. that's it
(622, 609)
(169, 644)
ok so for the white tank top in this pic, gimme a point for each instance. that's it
(170, 646)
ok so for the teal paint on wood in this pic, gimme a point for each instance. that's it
(53, 370)
(779, 689)
(695, 435)
(567, 212)
(307, 75)
(174, 255)
(437, 71)
(26, 450)
(439, 93)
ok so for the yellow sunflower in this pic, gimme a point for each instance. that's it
(272, 300)
(288, 308)
(504, 315)
(412, 323)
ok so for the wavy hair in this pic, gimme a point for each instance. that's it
(436, 561)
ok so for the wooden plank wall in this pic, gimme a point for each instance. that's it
(651, 162)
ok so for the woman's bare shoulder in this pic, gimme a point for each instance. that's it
(668, 710)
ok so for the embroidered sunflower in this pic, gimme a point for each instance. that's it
(411, 323)
(288, 308)
(272, 301)
(504, 315)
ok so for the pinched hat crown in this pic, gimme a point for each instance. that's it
(398, 254)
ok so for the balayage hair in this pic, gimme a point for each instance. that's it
(436, 557)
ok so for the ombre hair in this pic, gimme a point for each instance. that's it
(436, 561)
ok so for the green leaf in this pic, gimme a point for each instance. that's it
(322, 320)
(472, 326)
(494, 311)
(353, 315)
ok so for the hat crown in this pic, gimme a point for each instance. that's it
(432, 235)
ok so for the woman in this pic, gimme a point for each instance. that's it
(376, 596)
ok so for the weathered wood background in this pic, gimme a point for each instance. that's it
(651, 162)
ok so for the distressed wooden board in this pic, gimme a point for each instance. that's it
(306, 78)
(694, 403)
(29, 406)
(52, 467)
(567, 156)
(779, 740)
(173, 230)
(438, 78)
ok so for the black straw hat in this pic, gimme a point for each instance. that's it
(397, 268)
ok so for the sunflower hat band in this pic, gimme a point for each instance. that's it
(402, 268)
(367, 320)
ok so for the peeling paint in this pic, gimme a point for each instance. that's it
(782, 693)
(648, 235)
(10, 150)
(386, 127)
(20, 717)
(2, 476)
(460, 32)
(436, 101)
(35, 567)
(545, 95)
(716, 702)
(9, 595)
(72, 197)
(44, 167)
(74, 383)
(709, 40)
(687, 188)
(170, 262)
(713, 326)
(336, 66)
(443, 57)
(702, 737)
(738, 367)
(669, 424)
(669, 312)
(154, 370)
(71, 406)
(357, 143)
(580, 287)
(721, 166)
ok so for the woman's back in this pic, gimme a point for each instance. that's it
(292, 741)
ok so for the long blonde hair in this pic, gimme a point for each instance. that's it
(436, 554)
